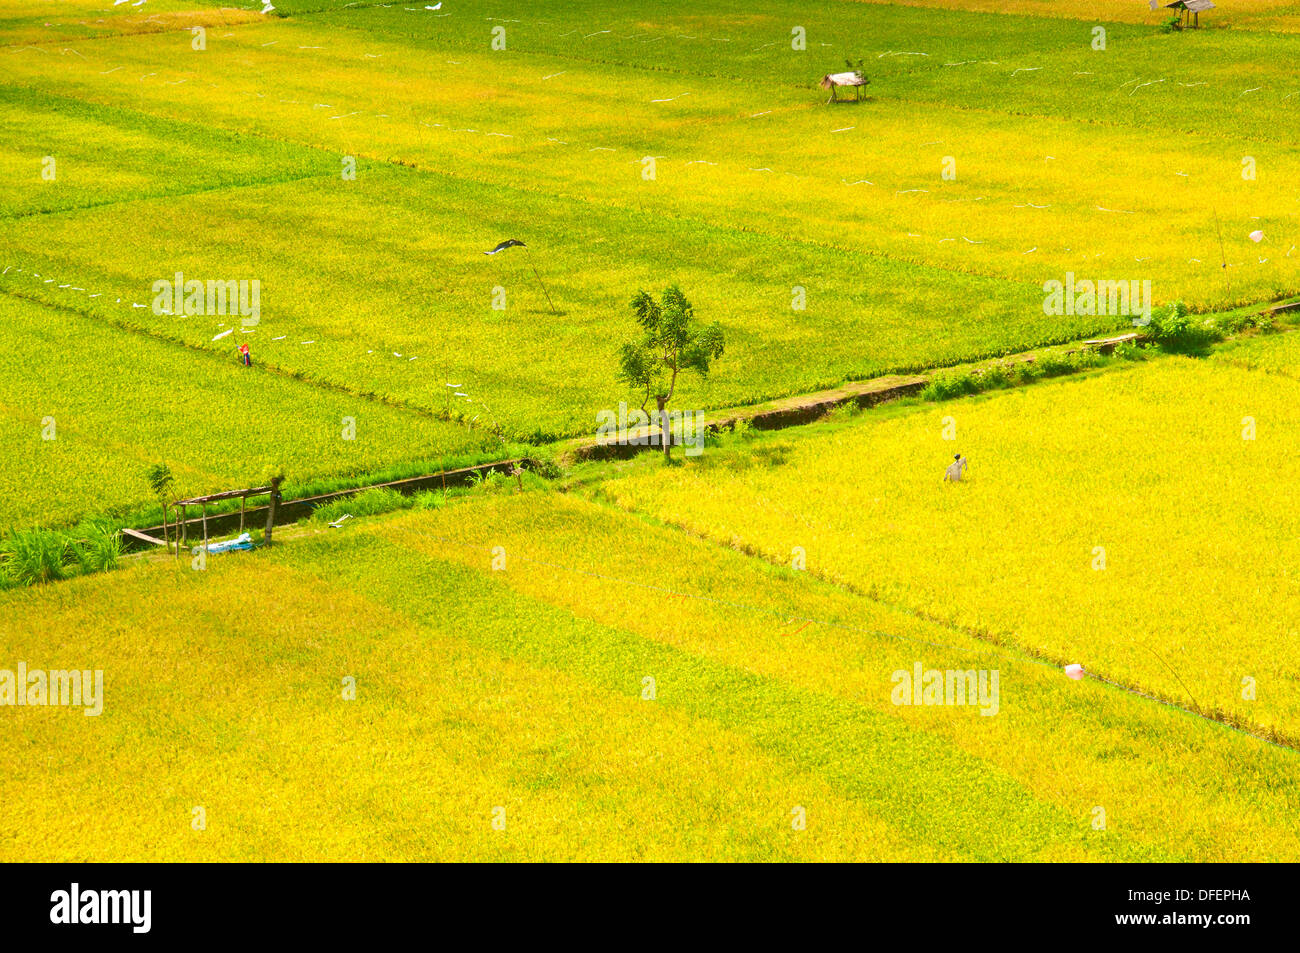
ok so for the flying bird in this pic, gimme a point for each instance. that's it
(268, 8)
(508, 243)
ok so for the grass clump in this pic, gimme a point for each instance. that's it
(30, 557)
(368, 503)
(1001, 376)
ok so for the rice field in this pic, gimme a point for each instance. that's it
(1281, 15)
(525, 689)
(80, 439)
(629, 660)
(1274, 354)
(1133, 522)
(25, 22)
(915, 230)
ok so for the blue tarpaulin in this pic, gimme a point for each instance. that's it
(245, 541)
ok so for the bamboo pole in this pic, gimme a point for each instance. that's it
(539, 280)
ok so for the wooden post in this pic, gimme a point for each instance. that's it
(242, 501)
(205, 529)
(270, 510)
(185, 528)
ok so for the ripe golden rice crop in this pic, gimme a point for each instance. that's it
(524, 689)
(1081, 532)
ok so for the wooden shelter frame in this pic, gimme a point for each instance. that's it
(272, 491)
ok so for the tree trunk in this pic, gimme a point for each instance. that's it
(665, 432)
(270, 510)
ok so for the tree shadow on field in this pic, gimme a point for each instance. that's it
(1196, 342)
(1188, 348)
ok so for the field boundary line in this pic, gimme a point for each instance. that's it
(781, 414)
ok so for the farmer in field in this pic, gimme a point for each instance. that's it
(244, 357)
(955, 469)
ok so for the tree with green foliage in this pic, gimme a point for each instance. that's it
(160, 481)
(672, 341)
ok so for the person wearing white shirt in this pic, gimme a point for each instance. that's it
(955, 470)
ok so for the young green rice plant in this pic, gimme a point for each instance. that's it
(429, 500)
(106, 427)
(1026, 372)
(33, 556)
(995, 377)
(367, 503)
(97, 546)
(946, 386)
(1128, 351)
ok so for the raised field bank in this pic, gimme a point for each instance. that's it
(689, 430)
